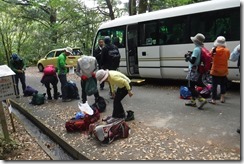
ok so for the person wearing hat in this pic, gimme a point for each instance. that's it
(62, 71)
(219, 69)
(18, 66)
(194, 78)
(86, 65)
(123, 83)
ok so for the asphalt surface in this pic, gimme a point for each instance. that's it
(158, 107)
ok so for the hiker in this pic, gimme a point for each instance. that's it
(62, 71)
(98, 55)
(86, 65)
(50, 77)
(18, 66)
(109, 59)
(235, 56)
(219, 70)
(123, 83)
(193, 76)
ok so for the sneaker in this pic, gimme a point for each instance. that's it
(49, 98)
(191, 103)
(66, 100)
(202, 102)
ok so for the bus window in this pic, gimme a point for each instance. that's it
(148, 33)
(173, 30)
(212, 24)
(117, 35)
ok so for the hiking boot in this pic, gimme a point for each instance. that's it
(191, 103)
(130, 116)
(202, 102)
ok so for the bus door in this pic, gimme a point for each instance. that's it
(132, 56)
(149, 51)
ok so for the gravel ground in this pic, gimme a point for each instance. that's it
(144, 143)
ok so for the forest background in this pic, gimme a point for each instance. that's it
(31, 28)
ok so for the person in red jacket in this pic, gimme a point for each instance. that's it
(219, 69)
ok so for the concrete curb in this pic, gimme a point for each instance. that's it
(68, 148)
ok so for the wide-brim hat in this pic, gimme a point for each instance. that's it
(220, 41)
(198, 39)
(69, 50)
(101, 75)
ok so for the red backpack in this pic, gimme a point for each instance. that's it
(82, 124)
(109, 132)
(49, 70)
(206, 61)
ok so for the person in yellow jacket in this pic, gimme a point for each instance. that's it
(123, 83)
(219, 69)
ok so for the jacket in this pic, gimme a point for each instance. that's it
(220, 62)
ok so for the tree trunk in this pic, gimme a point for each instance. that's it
(142, 6)
(132, 7)
(111, 12)
(53, 21)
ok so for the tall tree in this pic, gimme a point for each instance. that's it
(132, 7)
(143, 5)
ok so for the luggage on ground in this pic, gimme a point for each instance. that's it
(100, 104)
(185, 93)
(29, 91)
(80, 124)
(38, 99)
(109, 132)
(72, 90)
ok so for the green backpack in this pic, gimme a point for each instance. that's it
(38, 99)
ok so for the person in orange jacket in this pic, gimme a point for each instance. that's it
(219, 71)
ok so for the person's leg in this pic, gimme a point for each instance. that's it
(49, 96)
(54, 82)
(118, 110)
(16, 83)
(63, 81)
(223, 81)
(22, 80)
(194, 93)
(214, 89)
(83, 92)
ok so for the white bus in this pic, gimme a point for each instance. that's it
(152, 45)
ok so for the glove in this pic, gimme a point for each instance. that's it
(84, 78)
(93, 75)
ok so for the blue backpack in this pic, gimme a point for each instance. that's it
(185, 93)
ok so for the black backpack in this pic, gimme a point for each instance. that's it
(72, 90)
(114, 55)
(99, 104)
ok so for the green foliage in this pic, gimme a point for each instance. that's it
(33, 28)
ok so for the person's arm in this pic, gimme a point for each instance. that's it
(11, 65)
(78, 73)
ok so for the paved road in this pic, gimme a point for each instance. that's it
(157, 104)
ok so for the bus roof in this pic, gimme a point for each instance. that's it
(172, 12)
